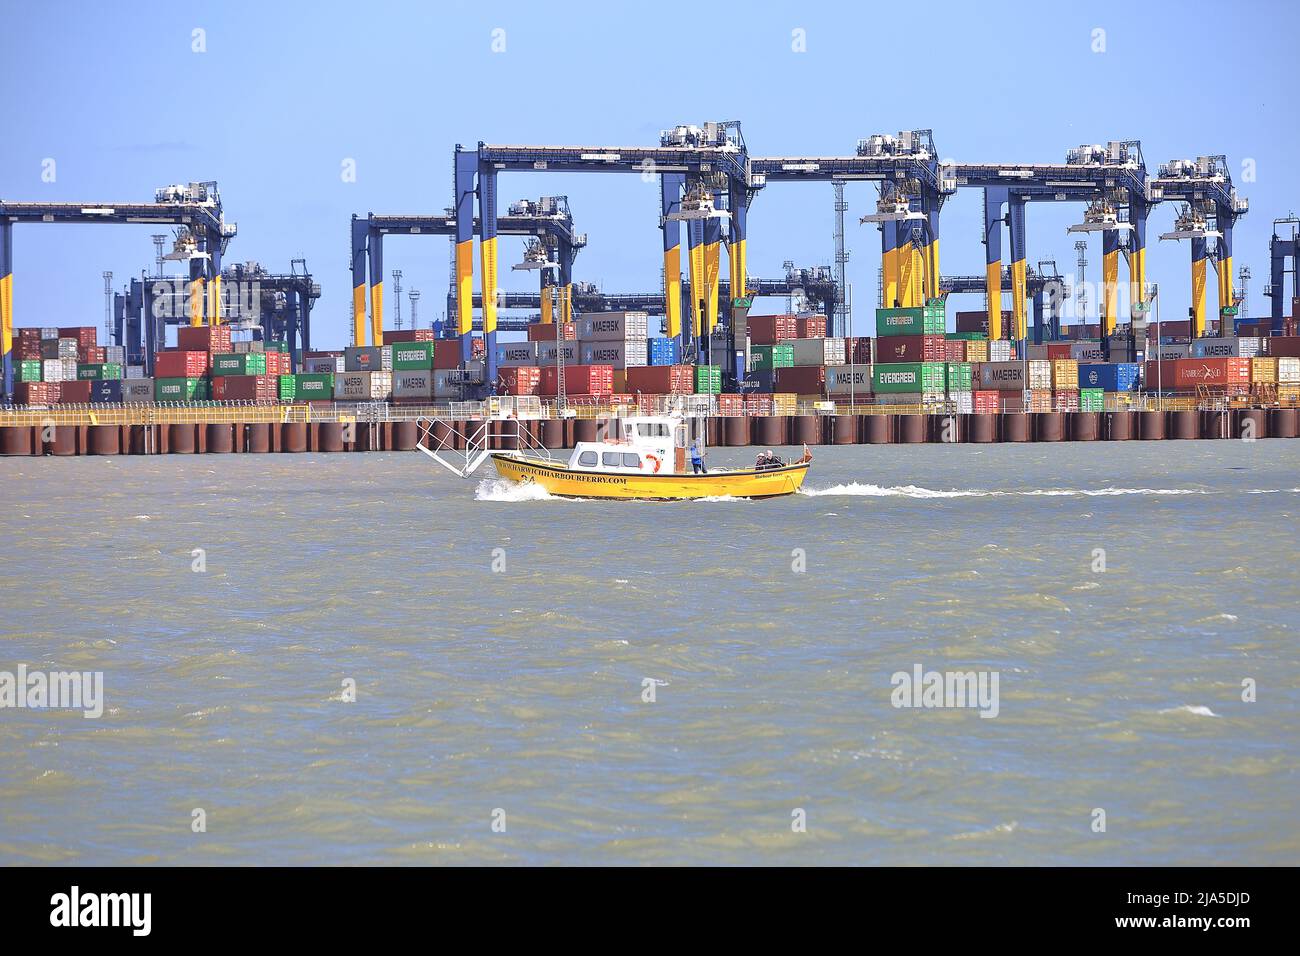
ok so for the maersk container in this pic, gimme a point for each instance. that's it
(323, 363)
(614, 327)
(960, 377)
(139, 390)
(237, 363)
(413, 384)
(765, 358)
(1227, 347)
(515, 354)
(547, 351)
(1170, 352)
(1110, 376)
(895, 378)
(1087, 352)
(180, 389)
(1002, 376)
(843, 380)
(363, 386)
(917, 320)
(619, 354)
(412, 356)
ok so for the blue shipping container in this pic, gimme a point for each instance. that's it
(663, 351)
(1110, 377)
(105, 391)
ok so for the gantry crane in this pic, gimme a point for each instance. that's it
(203, 235)
(1282, 248)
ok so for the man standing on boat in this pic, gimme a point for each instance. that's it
(697, 460)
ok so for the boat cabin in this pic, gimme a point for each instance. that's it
(644, 445)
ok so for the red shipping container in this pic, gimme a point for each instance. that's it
(537, 332)
(246, 388)
(1286, 346)
(661, 379)
(446, 353)
(74, 393)
(979, 321)
(954, 350)
(1185, 375)
(579, 380)
(203, 338)
(521, 380)
(407, 335)
(1059, 350)
(911, 348)
(173, 363)
(811, 326)
(84, 334)
(729, 404)
(858, 350)
(94, 355)
(37, 393)
(277, 363)
(987, 403)
(770, 329)
(801, 379)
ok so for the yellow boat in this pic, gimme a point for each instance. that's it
(649, 460)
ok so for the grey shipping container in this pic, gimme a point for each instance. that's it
(138, 390)
(546, 353)
(513, 354)
(842, 380)
(618, 354)
(368, 358)
(613, 327)
(413, 384)
(363, 386)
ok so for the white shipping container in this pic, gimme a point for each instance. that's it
(828, 351)
(1040, 374)
(52, 371)
(138, 390)
(115, 354)
(133, 371)
(49, 333)
(842, 380)
(363, 386)
(546, 352)
(1000, 350)
(514, 354)
(1003, 376)
(613, 327)
(1288, 371)
(413, 384)
(630, 353)
(964, 402)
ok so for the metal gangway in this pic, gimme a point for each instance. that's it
(478, 437)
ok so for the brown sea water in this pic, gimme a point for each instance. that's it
(520, 689)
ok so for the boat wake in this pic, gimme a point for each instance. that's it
(499, 489)
(858, 489)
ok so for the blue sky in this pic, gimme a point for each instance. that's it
(285, 92)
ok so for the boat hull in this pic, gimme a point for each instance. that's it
(573, 483)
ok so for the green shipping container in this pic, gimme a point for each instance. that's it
(276, 346)
(708, 380)
(926, 377)
(1092, 400)
(918, 320)
(180, 389)
(29, 370)
(959, 377)
(239, 363)
(95, 371)
(764, 358)
(412, 356)
(309, 387)
(967, 336)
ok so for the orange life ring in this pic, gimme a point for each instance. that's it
(655, 459)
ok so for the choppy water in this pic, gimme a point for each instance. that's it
(521, 690)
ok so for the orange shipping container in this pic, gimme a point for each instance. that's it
(203, 338)
(1187, 374)
(578, 380)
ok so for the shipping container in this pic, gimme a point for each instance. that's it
(661, 379)
(516, 353)
(412, 357)
(59, 349)
(986, 402)
(29, 370)
(519, 380)
(977, 350)
(1064, 375)
(924, 377)
(708, 380)
(75, 393)
(802, 379)
(1288, 371)
(1001, 350)
(547, 332)
(1002, 376)
(246, 388)
(772, 329)
(181, 364)
(307, 387)
(963, 402)
(910, 349)
(618, 354)
(138, 390)
(582, 379)
(954, 350)
(363, 386)
(1092, 400)
(179, 388)
(664, 351)
(1087, 351)
(54, 370)
(328, 364)
(613, 327)
(1231, 347)
(765, 358)
(821, 351)
(83, 335)
(133, 371)
(368, 358)
(1188, 374)
(811, 326)
(413, 383)
(234, 363)
(1286, 346)
(979, 321)
(1263, 371)
(37, 393)
(203, 338)
(843, 380)
(959, 377)
(102, 371)
(914, 321)
(1110, 376)
(547, 352)
(393, 336)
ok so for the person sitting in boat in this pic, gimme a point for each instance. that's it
(767, 460)
(697, 460)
